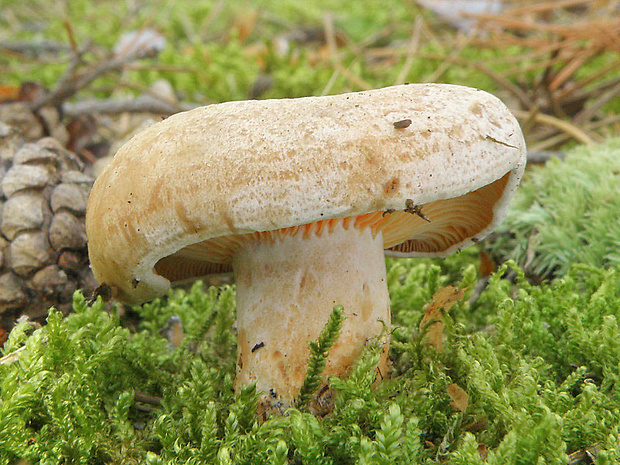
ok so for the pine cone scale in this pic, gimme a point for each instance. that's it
(43, 256)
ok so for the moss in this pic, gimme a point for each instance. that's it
(539, 367)
(566, 212)
(319, 350)
(70, 394)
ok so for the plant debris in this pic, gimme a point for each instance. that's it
(410, 207)
(402, 124)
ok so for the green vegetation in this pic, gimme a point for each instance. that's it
(215, 51)
(539, 366)
(204, 58)
(566, 212)
(526, 373)
(319, 350)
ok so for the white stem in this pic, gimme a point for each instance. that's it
(286, 290)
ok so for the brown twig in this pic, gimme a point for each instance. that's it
(585, 455)
(147, 398)
(613, 119)
(141, 104)
(545, 6)
(588, 113)
(73, 81)
(590, 78)
(33, 49)
(70, 36)
(571, 67)
(603, 28)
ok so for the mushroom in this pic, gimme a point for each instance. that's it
(300, 197)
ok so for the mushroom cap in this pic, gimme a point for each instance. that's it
(180, 197)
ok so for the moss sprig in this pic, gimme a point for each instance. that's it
(566, 213)
(319, 350)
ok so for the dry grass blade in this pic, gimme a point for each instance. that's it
(503, 82)
(572, 65)
(564, 126)
(414, 44)
(12, 357)
(547, 6)
(334, 55)
(560, 39)
(443, 67)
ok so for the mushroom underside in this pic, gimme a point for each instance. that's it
(430, 229)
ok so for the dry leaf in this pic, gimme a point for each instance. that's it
(8, 93)
(3, 336)
(487, 265)
(173, 331)
(459, 397)
(244, 24)
(432, 321)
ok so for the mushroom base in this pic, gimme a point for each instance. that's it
(286, 290)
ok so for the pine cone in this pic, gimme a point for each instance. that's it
(43, 257)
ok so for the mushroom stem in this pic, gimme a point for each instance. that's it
(286, 290)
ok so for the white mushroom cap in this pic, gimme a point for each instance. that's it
(180, 198)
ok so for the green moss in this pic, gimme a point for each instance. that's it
(319, 350)
(70, 394)
(539, 364)
(566, 212)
